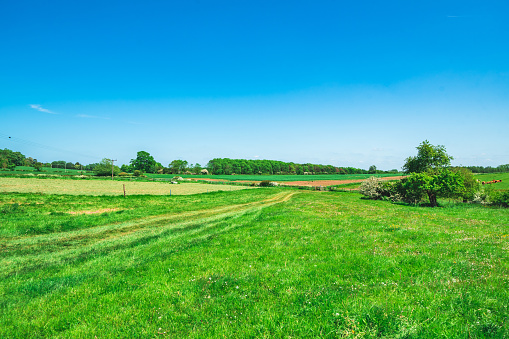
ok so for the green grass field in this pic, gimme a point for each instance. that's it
(49, 170)
(504, 185)
(106, 187)
(267, 263)
(278, 178)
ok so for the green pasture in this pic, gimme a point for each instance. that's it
(504, 185)
(278, 178)
(48, 170)
(267, 263)
(107, 187)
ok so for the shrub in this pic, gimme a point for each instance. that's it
(138, 173)
(501, 199)
(370, 188)
(123, 174)
(471, 185)
(106, 168)
(264, 183)
(482, 196)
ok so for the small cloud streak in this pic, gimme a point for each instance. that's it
(40, 109)
(86, 116)
(135, 123)
(256, 156)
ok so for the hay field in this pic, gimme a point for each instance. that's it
(106, 187)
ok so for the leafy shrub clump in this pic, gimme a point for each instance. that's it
(501, 199)
(265, 183)
(138, 173)
(371, 187)
(482, 197)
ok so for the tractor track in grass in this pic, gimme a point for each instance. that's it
(32, 252)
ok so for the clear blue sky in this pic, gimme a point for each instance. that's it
(347, 83)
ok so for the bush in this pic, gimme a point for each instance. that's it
(501, 199)
(123, 174)
(105, 168)
(138, 173)
(265, 183)
(482, 196)
(472, 186)
(370, 188)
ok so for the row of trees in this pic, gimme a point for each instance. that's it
(243, 166)
(10, 159)
(429, 157)
(489, 169)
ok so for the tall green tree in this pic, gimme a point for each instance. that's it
(105, 167)
(178, 166)
(430, 175)
(428, 157)
(144, 162)
(433, 184)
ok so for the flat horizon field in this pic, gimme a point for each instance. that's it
(276, 177)
(268, 262)
(107, 187)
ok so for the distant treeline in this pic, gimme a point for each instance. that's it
(488, 169)
(243, 166)
(145, 163)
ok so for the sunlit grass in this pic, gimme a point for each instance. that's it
(258, 263)
(106, 187)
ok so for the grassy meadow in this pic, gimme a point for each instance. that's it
(106, 187)
(268, 262)
(47, 170)
(278, 178)
(504, 185)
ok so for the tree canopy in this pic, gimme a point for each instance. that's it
(178, 166)
(10, 159)
(144, 162)
(259, 166)
(430, 175)
(428, 157)
(104, 168)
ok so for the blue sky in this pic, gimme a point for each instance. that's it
(354, 83)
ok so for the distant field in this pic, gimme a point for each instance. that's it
(106, 187)
(28, 169)
(278, 178)
(504, 185)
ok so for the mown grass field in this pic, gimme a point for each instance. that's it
(267, 263)
(106, 187)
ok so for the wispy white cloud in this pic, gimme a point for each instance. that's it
(40, 109)
(86, 116)
(134, 122)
